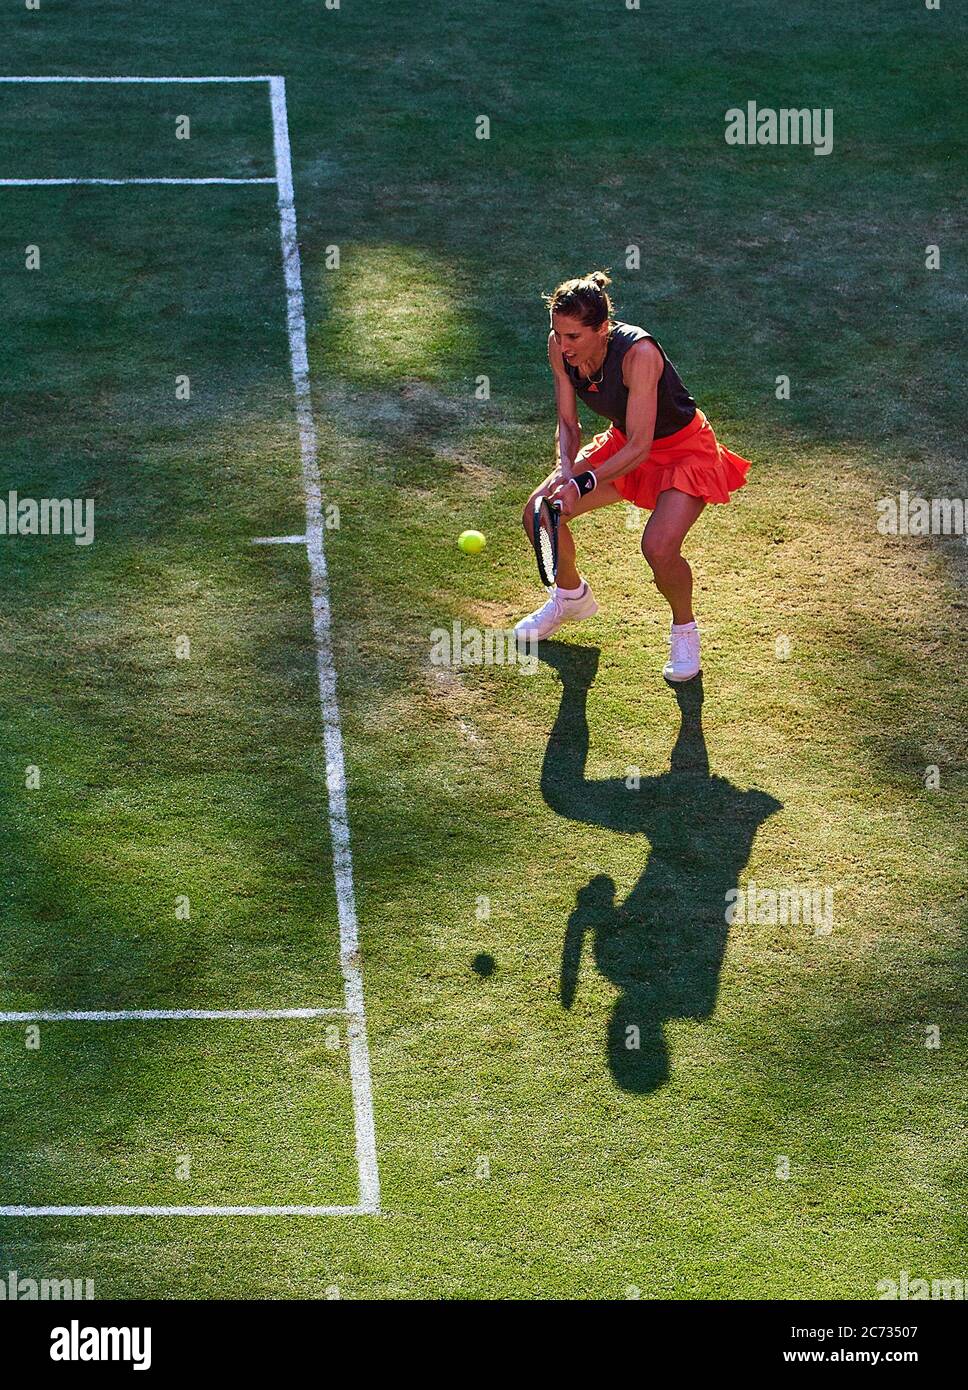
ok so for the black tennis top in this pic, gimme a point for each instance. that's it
(609, 396)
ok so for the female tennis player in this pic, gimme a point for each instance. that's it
(659, 452)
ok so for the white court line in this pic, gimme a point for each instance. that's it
(261, 78)
(185, 1211)
(359, 1056)
(335, 771)
(279, 540)
(135, 1015)
(57, 183)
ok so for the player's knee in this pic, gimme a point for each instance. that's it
(527, 516)
(659, 550)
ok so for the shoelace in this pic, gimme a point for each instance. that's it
(679, 642)
(551, 602)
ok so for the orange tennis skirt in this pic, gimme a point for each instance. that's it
(691, 460)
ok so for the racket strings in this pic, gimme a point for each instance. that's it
(547, 550)
(546, 541)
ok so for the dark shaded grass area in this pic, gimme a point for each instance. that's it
(199, 776)
(175, 854)
(179, 1113)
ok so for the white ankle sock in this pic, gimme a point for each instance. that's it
(685, 627)
(571, 593)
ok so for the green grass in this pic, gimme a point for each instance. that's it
(257, 1108)
(524, 1150)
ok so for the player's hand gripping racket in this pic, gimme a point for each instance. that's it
(545, 535)
(547, 515)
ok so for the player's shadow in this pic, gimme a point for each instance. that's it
(663, 946)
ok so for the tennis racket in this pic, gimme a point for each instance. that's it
(545, 534)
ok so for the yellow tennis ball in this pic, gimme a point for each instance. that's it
(471, 542)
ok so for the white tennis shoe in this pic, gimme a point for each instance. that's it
(555, 613)
(683, 661)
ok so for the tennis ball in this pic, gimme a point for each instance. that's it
(471, 542)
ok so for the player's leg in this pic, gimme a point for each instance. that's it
(571, 600)
(674, 513)
(603, 496)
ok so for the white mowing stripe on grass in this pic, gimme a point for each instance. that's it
(185, 1211)
(322, 626)
(115, 183)
(141, 1015)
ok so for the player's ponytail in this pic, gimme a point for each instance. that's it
(584, 298)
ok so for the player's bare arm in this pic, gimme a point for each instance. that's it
(642, 368)
(568, 430)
